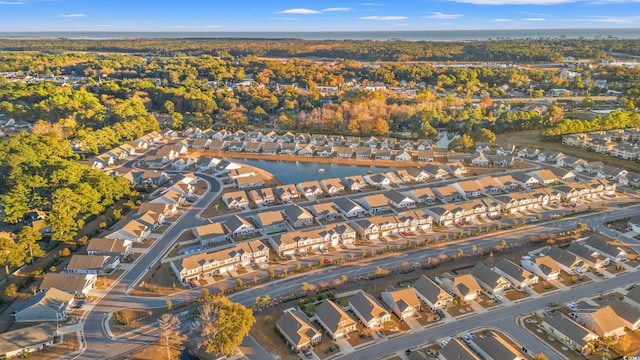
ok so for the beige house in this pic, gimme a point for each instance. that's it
(368, 310)
(298, 331)
(431, 294)
(335, 321)
(48, 305)
(403, 302)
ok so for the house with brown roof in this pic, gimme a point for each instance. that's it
(447, 193)
(422, 195)
(236, 200)
(354, 183)
(543, 266)
(297, 330)
(431, 293)
(262, 196)
(92, 264)
(374, 204)
(367, 309)
(324, 211)
(403, 302)
(217, 262)
(133, 230)
(210, 233)
(286, 193)
(334, 320)
(310, 189)
(470, 188)
(465, 287)
(332, 186)
(74, 284)
(109, 247)
(602, 320)
(271, 221)
(249, 182)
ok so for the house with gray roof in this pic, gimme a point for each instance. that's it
(298, 330)
(518, 276)
(92, 264)
(75, 284)
(48, 305)
(491, 281)
(455, 350)
(399, 200)
(368, 310)
(237, 226)
(568, 262)
(298, 216)
(491, 345)
(334, 320)
(431, 294)
(591, 258)
(348, 207)
(569, 332)
(25, 340)
(604, 248)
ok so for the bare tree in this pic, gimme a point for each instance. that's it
(171, 335)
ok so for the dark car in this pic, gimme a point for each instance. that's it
(440, 313)
(308, 354)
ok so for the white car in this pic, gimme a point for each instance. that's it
(500, 298)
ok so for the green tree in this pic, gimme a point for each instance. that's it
(11, 254)
(540, 356)
(28, 238)
(170, 334)
(176, 121)
(238, 282)
(221, 325)
(465, 142)
(169, 107)
(485, 135)
(169, 305)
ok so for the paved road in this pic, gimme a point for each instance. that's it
(502, 318)
(98, 344)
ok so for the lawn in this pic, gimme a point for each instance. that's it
(265, 334)
(104, 282)
(160, 281)
(395, 327)
(360, 336)
(69, 344)
(151, 352)
(486, 302)
(629, 344)
(134, 319)
(571, 280)
(569, 354)
(459, 310)
(427, 318)
(514, 295)
(543, 287)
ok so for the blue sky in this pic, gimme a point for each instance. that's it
(288, 15)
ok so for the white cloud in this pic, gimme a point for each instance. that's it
(212, 26)
(73, 15)
(441, 16)
(514, 2)
(285, 18)
(370, 4)
(535, 14)
(300, 11)
(12, 2)
(534, 19)
(336, 9)
(384, 18)
(502, 20)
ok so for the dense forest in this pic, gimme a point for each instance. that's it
(362, 50)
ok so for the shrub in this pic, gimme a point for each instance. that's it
(11, 290)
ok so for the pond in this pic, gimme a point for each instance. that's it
(292, 172)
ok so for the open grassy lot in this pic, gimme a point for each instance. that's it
(159, 281)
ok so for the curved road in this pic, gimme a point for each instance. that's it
(97, 344)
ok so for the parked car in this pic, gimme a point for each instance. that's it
(440, 313)
(500, 298)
